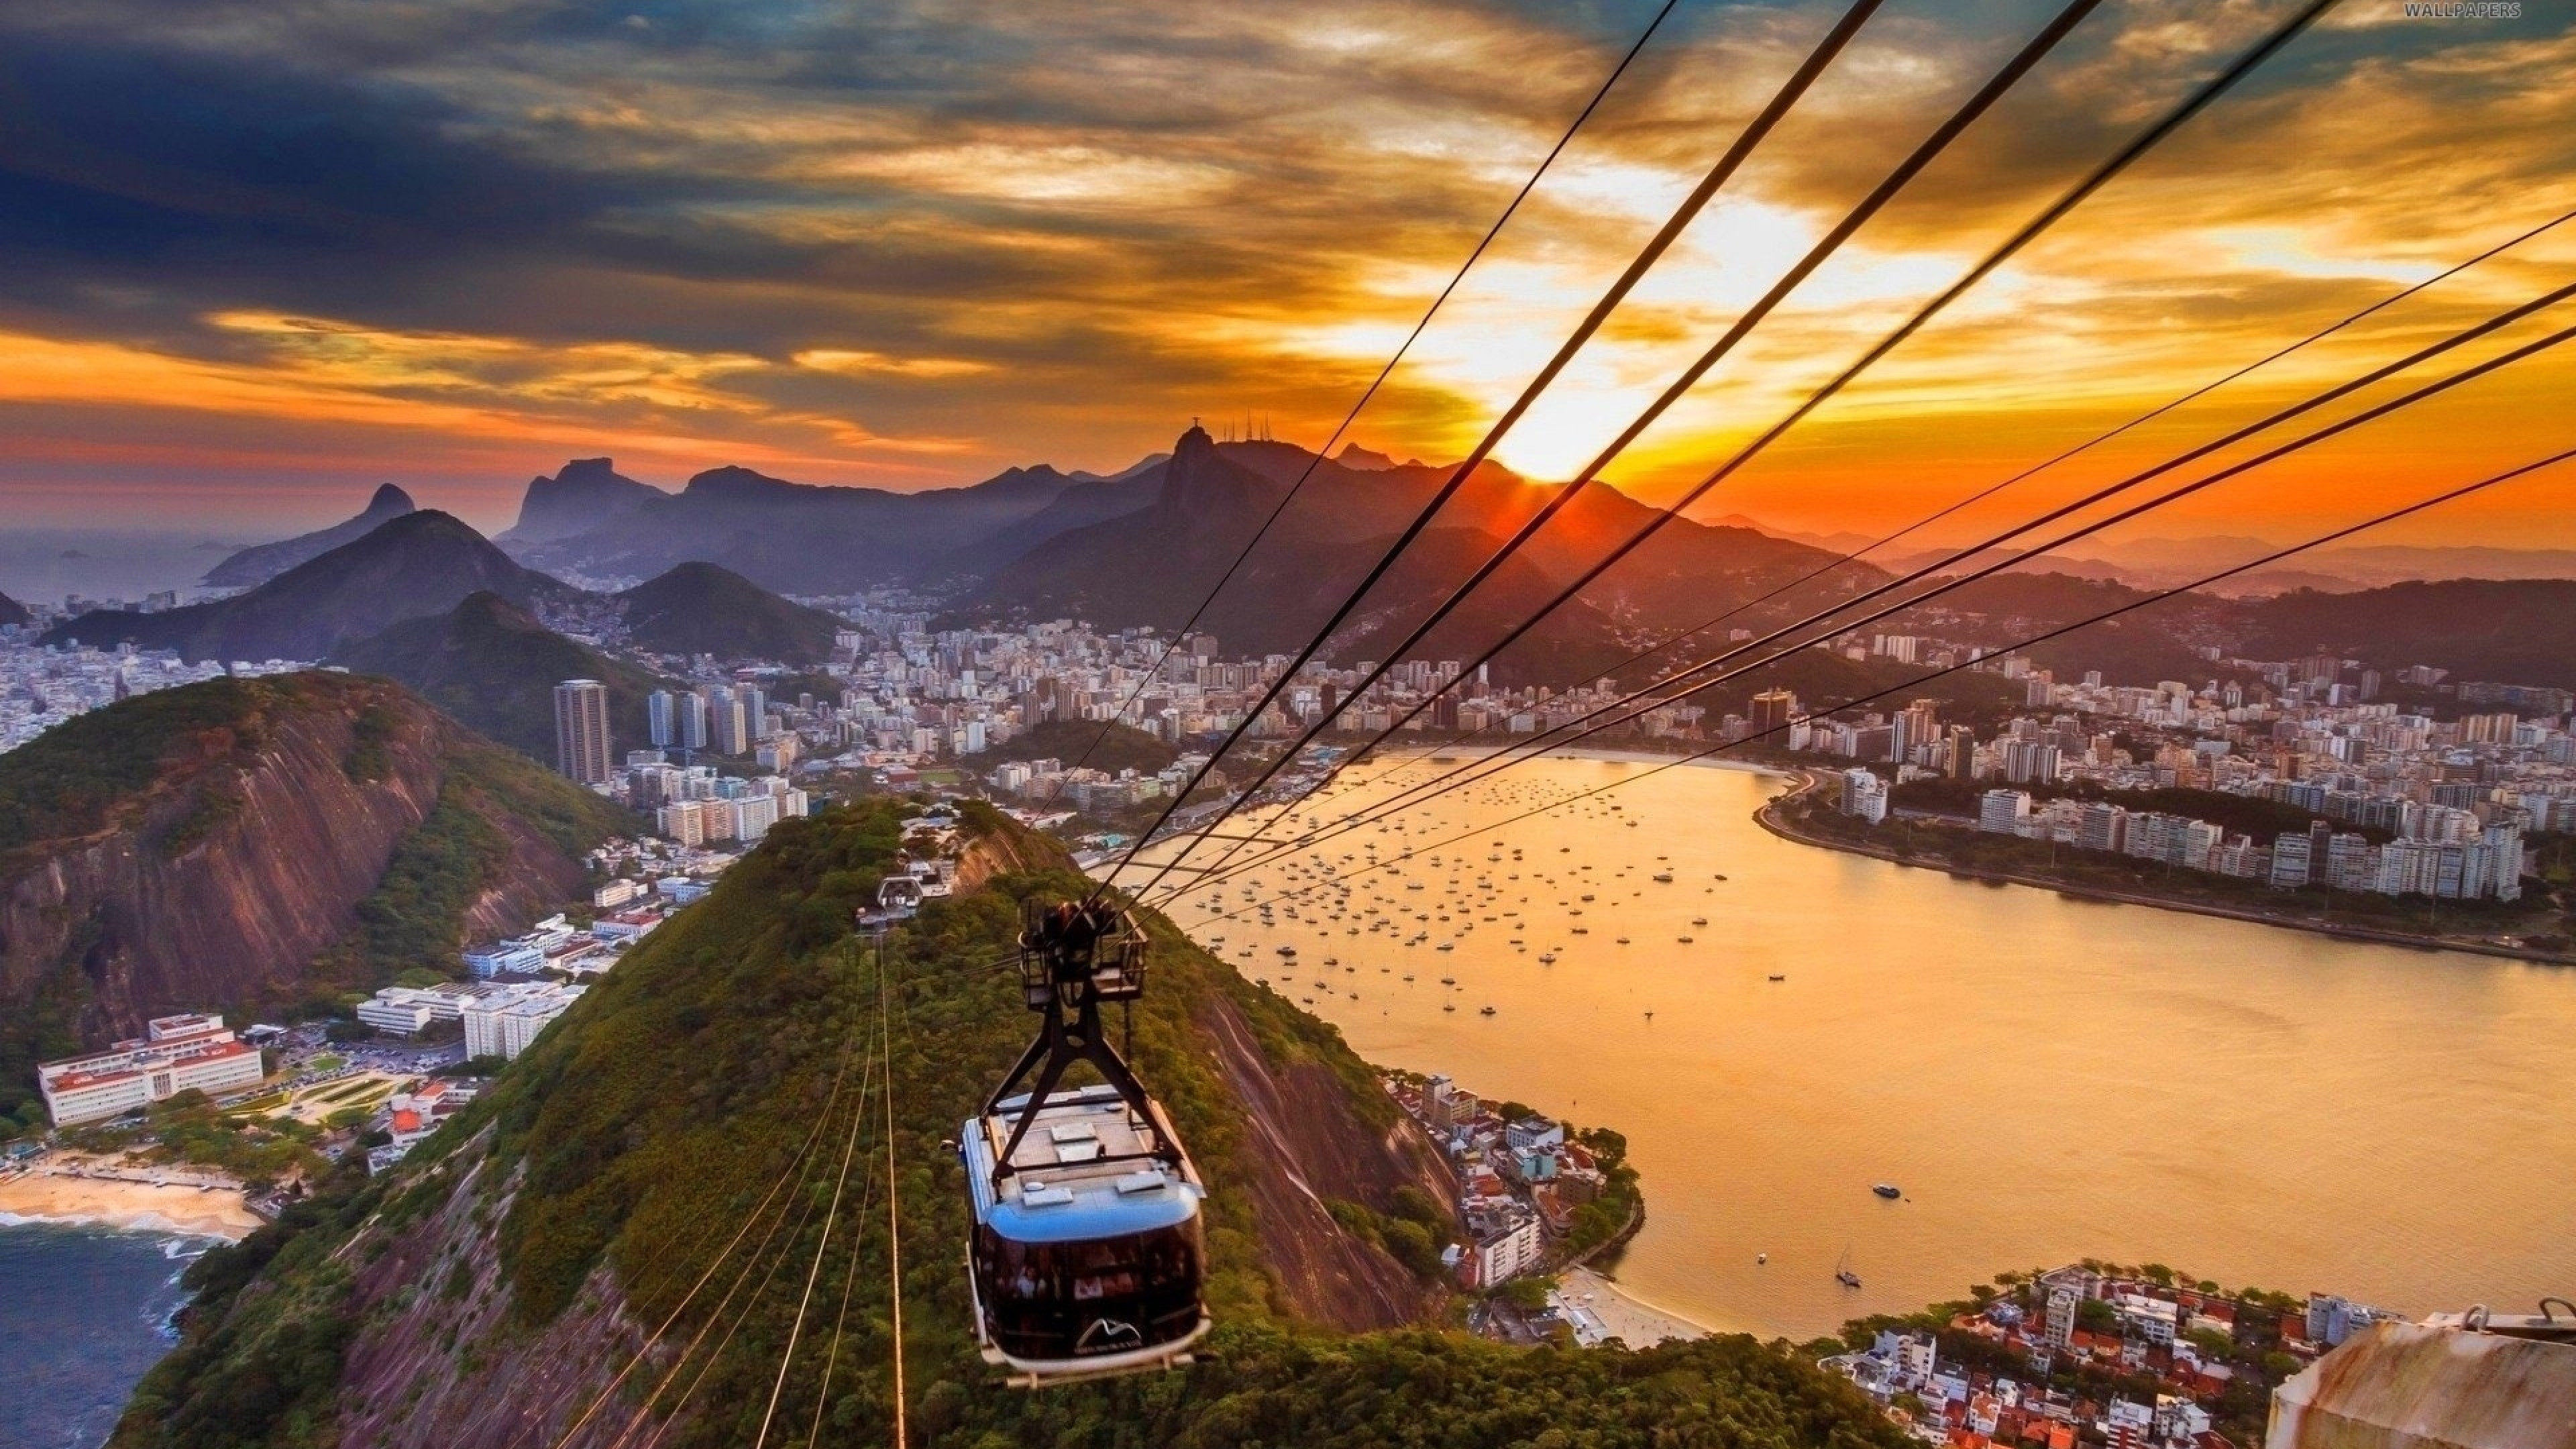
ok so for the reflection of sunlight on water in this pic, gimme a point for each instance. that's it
(2047, 1079)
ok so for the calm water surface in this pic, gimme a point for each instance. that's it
(2047, 1079)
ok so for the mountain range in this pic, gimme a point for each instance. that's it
(394, 601)
(2520, 631)
(416, 563)
(492, 665)
(262, 562)
(792, 537)
(1143, 547)
(12, 612)
(1152, 566)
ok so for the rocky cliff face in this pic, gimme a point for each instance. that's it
(217, 885)
(587, 493)
(1310, 1147)
(401, 1390)
(248, 853)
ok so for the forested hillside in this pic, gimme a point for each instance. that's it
(259, 843)
(490, 1290)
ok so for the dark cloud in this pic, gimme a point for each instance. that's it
(921, 239)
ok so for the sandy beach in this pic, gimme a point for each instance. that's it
(1602, 1309)
(44, 1194)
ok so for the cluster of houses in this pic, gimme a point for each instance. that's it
(647, 880)
(411, 1117)
(1520, 1181)
(2140, 1330)
(498, 1019)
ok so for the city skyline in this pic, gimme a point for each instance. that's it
(686, 239)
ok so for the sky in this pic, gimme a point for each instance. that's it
(258, 256)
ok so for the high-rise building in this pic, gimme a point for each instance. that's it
(581, 731)
(1772, 711)
(1917, 724)
(728, 728)
(2290, 861)
(2001, 812)
(661, 720)
(2102, 826)
(693, 720)
(1864, 794)
(2028, 762)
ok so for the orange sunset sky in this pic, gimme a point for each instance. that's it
(256, 258)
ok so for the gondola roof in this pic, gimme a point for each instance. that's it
(1057, 1192)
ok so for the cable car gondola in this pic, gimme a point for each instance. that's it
(1087, 1250)
(898, 898)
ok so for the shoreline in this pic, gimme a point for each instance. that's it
(1631, 1319)
(1766, 816)
(43, 1196)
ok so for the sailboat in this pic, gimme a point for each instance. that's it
(1842, 1269)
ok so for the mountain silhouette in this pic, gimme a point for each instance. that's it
(262, 562)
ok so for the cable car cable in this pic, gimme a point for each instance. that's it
(850, 1276)
(822, 1244)
(2021, 64)
(1761, 126)
(1991, 490)
(645, 1409)
(2138, 146)
(1673, 681)
(1370, 392)
(812, 1134)
(1919, 681)
(894, 1205)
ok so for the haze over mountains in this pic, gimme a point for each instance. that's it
(417, 563)
(2172, 562)
(370, 603)
(262, 562)
(422, 598)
